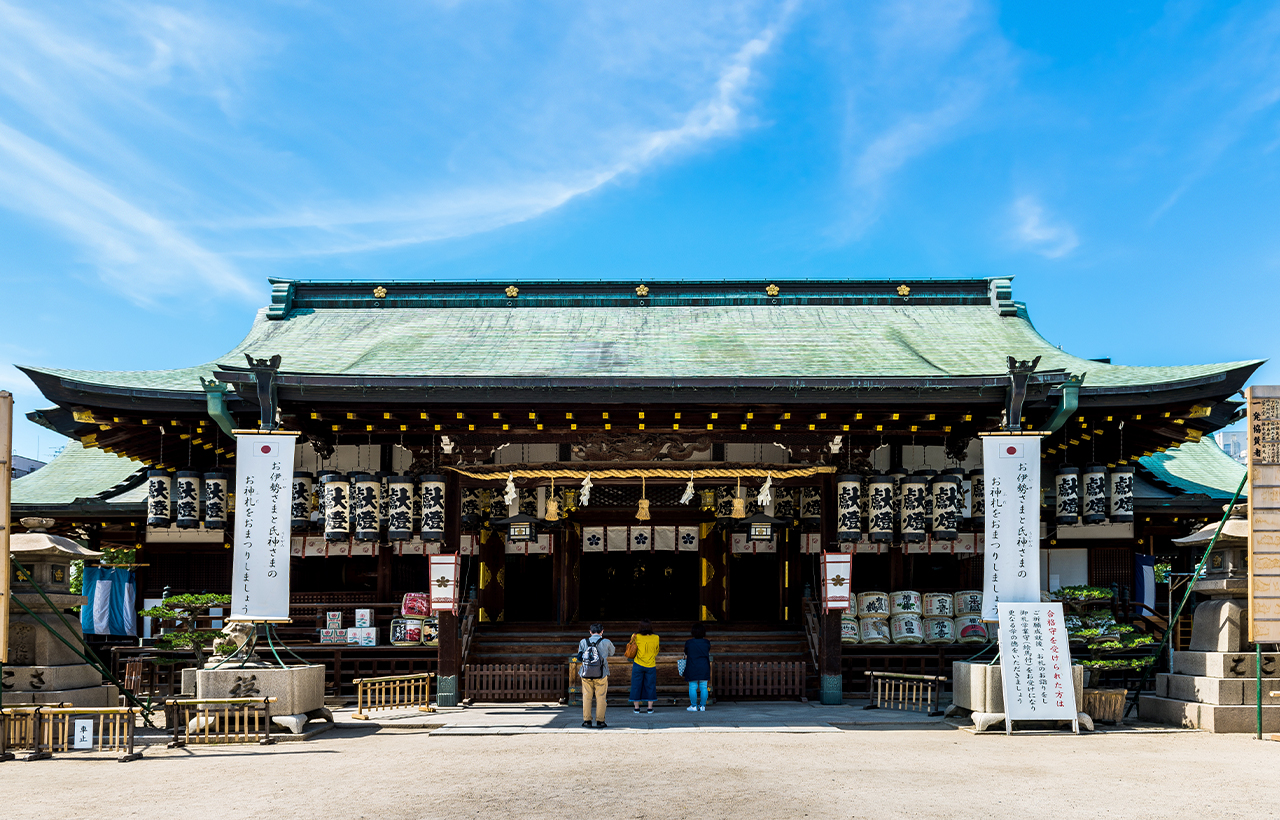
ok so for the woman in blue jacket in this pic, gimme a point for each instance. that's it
(697, 668)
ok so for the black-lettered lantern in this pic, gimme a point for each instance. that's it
(431, 490)
(159, 497)
(336, 489)
(384, 502)
(300, 506)
(810, 509)
(1066, 484)
(365, 506)
(186, 499)
(880, 499)
(849, 508)
(1122, 494)
(215, 501)
(471, 513)
(928, 497)
(977, 499)
(897, 476)
(320, 502)
(948, 503)
(399, 507)
(1095, 494)
(912, 496)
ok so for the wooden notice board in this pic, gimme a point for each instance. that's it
(1264, 513)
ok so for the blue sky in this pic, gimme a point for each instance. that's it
(159, 162)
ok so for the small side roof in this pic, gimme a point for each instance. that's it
(1199, 467)
(78, 475)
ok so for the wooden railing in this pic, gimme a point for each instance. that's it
(747, 679)
(911, 693)
(394, 692)
(221, 720)
(515, 682)
(47, 729)
(467, 628)
(812, 627)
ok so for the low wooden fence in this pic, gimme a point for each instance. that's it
(732, 679)
(515, 682)
(221, 720)
(911, 693)
(43, 730)
(393, 692)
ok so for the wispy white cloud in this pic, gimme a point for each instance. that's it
(1040, 233)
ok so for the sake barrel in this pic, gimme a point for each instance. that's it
(849, 629)
(939, 631)
(874, 630)
(406, 631)
(938, 604)
(907, 627)
(970, 629)
(415, 605)
(873, 605)
(968, 602)
(904, 601)
(430, 631)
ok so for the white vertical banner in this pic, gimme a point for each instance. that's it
(1011, 567)
(1035, 661)
(264, 498)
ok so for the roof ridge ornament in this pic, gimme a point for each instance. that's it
(1019, 373)
(512, 291)
(642, 290)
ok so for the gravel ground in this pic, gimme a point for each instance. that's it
(868, 771)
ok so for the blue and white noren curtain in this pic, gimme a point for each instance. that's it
(110, 609)
(1144, 581)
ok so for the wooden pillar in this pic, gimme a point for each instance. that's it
(714, 587)
(384, 550)
(831, 681)
(493, 571)
(448, 670)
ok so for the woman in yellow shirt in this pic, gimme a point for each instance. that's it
(644, 667)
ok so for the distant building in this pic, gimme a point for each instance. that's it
(23, 465)
(1233, 443)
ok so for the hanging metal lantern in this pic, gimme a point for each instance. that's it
(215, 501)
(368, 499)
(811, 508)
(977, 499)
(336, 489)
(300, 508)
(186, 499)
(880, 497)
(159, 496)
(928, 497)
(707, 499)
(1067, 486)
(914, 490)
(1122, 494)
(399, 507)
(1095, 494)
(431, 490)
(947, 505)
(848, 508)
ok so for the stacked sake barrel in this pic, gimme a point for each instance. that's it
(907, 617)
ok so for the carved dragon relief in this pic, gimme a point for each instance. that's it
(639, 447)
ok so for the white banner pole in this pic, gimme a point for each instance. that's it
(1011, 564)
(264, 499)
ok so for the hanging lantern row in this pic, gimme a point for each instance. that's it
(364, 505)
(178, 499)
(889, 506)
(1090, 497)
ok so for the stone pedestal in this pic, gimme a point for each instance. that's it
(1215, 691)
(298, 690)
(41, 668)
(976, 689)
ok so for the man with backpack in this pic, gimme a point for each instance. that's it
(593, 668)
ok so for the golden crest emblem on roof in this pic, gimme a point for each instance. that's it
(772, 290)
(512, 291)
(904, 291)
(379, 292)
(642, 290)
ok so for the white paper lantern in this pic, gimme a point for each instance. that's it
(977, 499)
(897, 476)
(928, 497)
(947, 504)
(1095, 494)
(1067, 487)
(848, 508)
(368, 501)
(1122, 494)
(300, 507)
(215, 501)
(912, 493)
(880, 498)
(399, 499)
(810, 508)
(186, 499)
(336, 489)
(159, 497)
(431, 490)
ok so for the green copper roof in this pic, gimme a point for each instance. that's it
(75, 474)
(959, 328)
(1197, 467)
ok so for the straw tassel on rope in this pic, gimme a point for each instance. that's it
(642, 514)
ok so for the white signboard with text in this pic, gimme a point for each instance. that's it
(1035, 663)
(1011, 566)
(260, 574)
